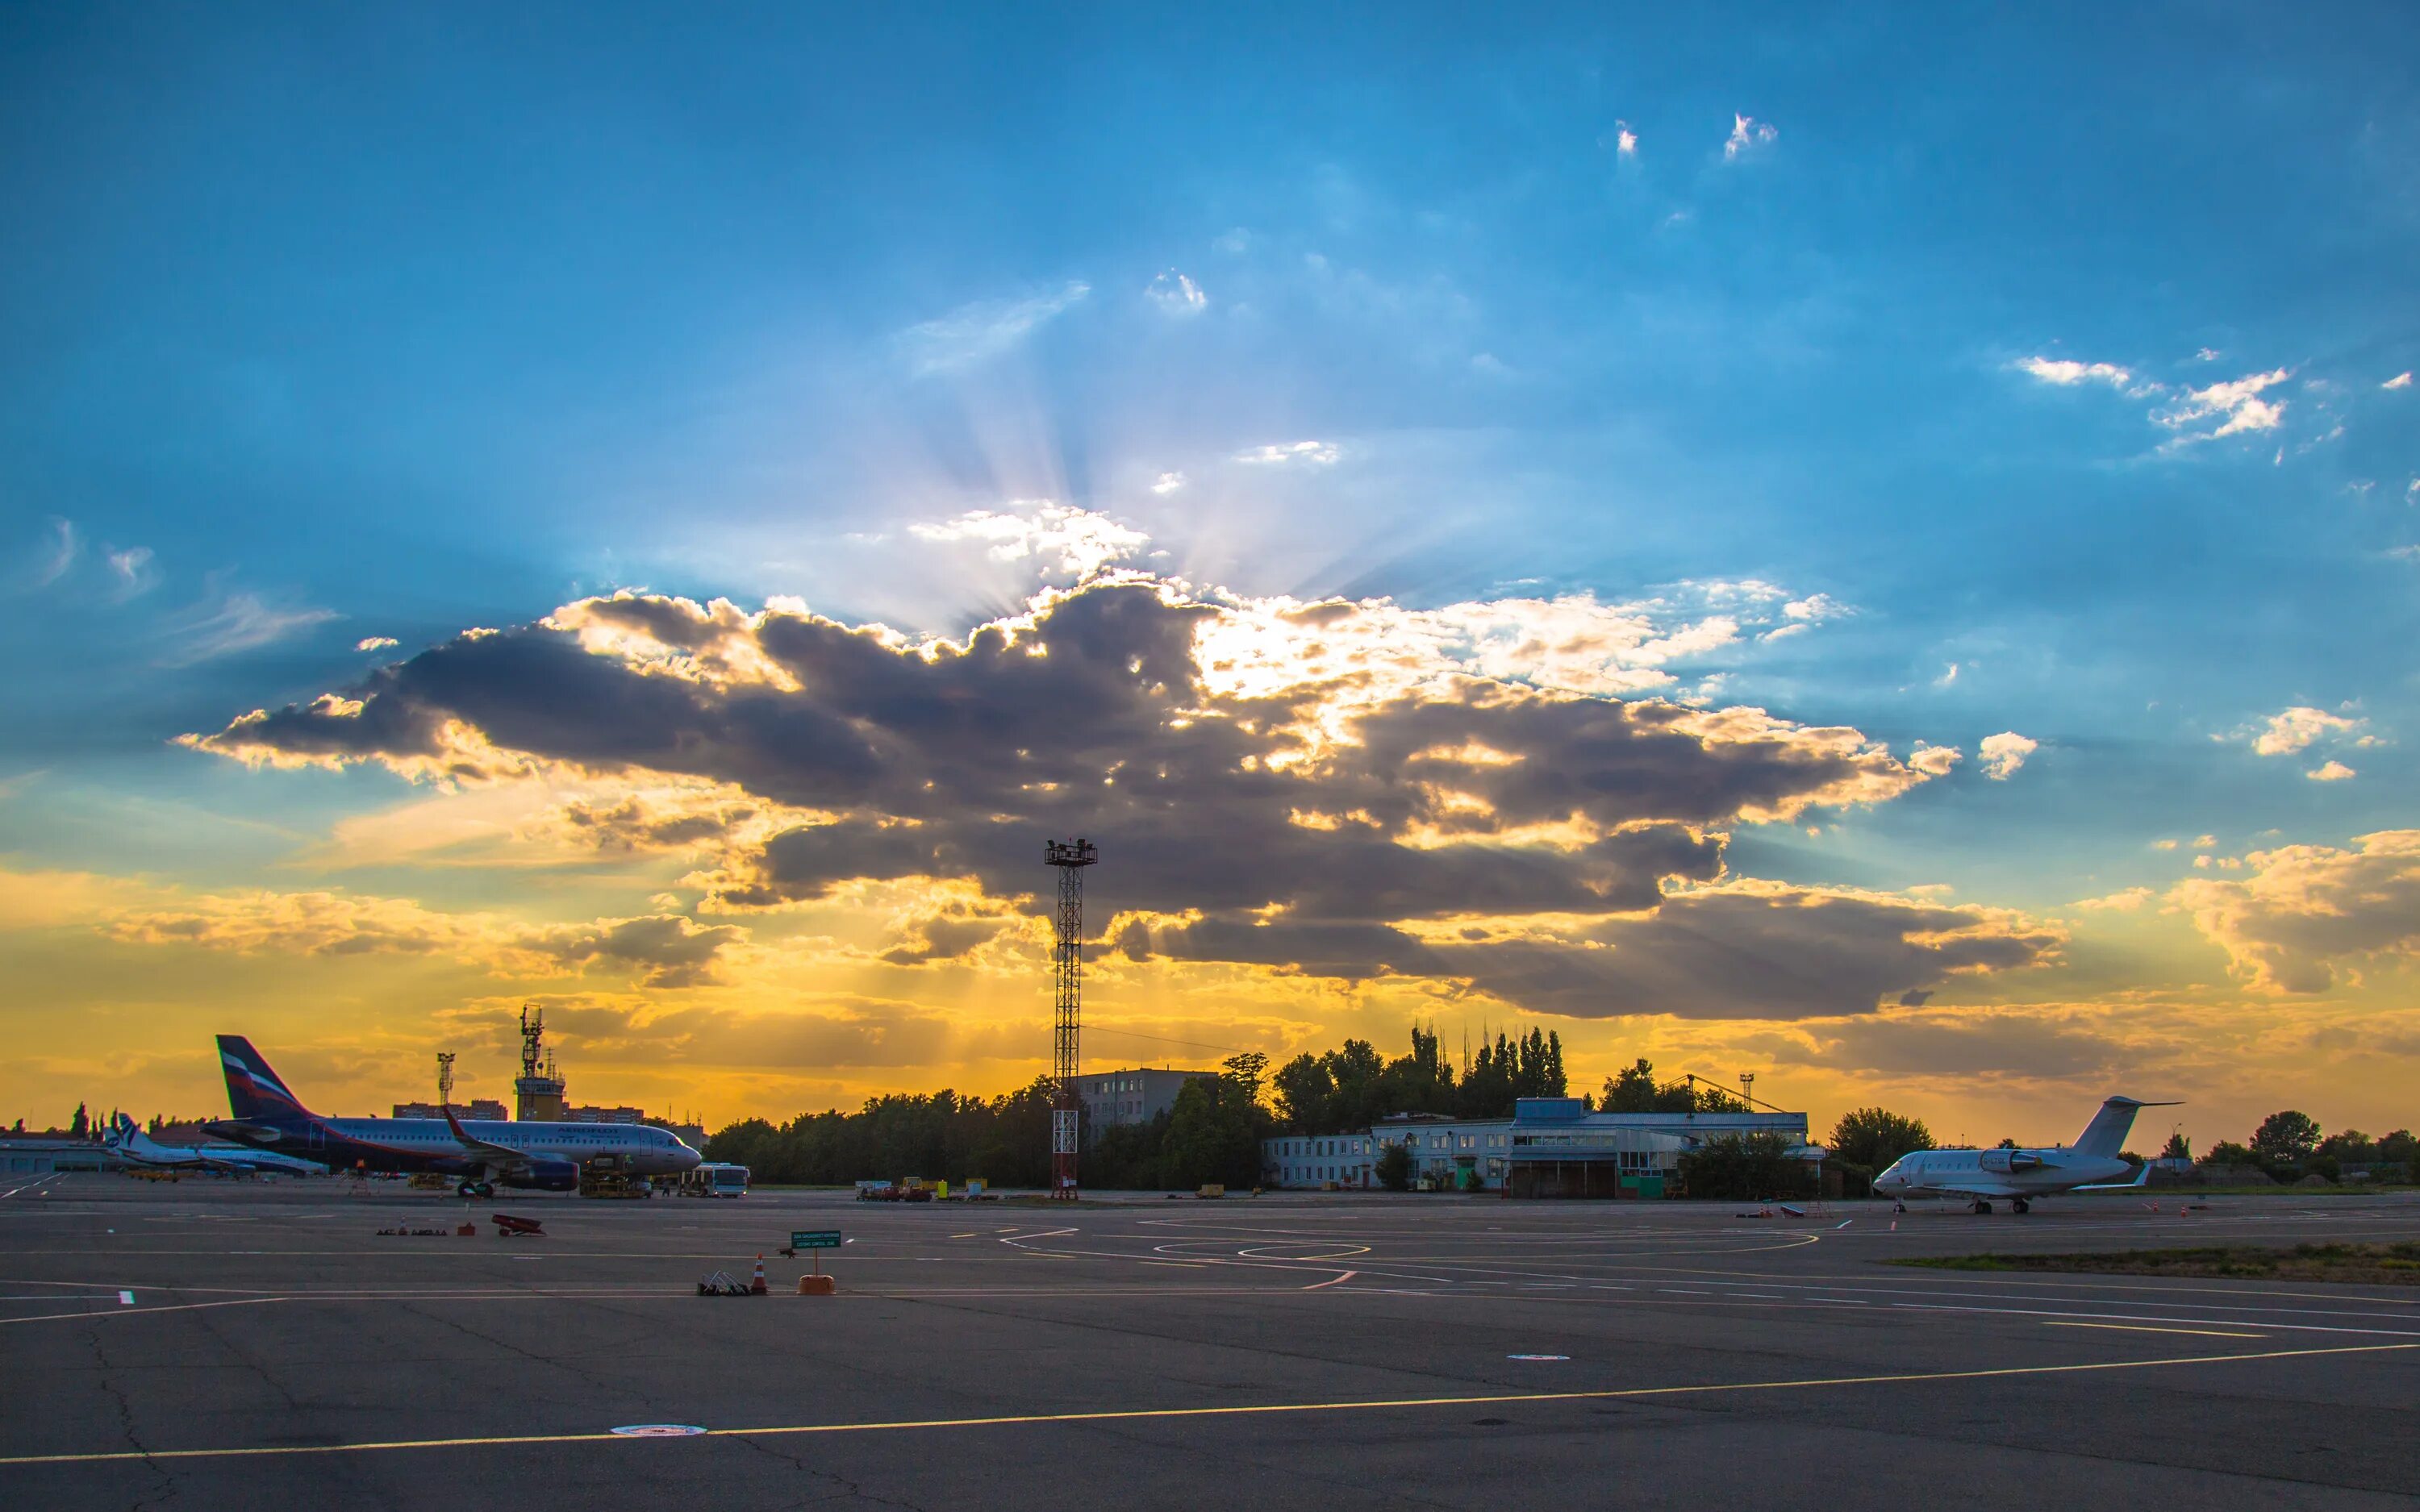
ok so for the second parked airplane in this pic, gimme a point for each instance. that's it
(2090, 1165)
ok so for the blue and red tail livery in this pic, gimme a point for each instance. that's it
(254, 1090)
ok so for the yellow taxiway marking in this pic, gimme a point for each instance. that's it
(2143, 1327)
(1142, 1414)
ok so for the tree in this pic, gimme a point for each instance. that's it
(2178, 1147)
(2286, 1137)
(1631, 1089)
(2347, 1144)
(1305, 1092)
(1870, 1138)
(1743, 1167)
(2227, 1152)
(81, 1125)
(1394, 1167)
(2008, 1143)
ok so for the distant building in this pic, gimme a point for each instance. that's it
(584, 1114)
(1112, 1098)
(487, 1108)
(38, 1155)
(1550, 1147)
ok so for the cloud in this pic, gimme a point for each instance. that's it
(2068, 374)
(1283, 454)
(237, 621)
(133, 570)
(1337, 789)
(2207, 354)
(2298, 728)
(375, 642)
(976, 333)
(1934, 761)
(1625, 140)
(2306, 911)
(1070, 541)
(2004, 754)
(2400, 380)
(1233, 242)
(1168, 483)
(1177, 295)
(2330, 772)
(660, 951)
(1747, 135)
(65, 547)
(2236, 404)
(2125, 902)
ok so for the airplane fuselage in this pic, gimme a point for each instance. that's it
(1997, 1173)
(411, 1146)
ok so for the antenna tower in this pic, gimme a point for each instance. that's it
(1067, 956)
(446, 1078)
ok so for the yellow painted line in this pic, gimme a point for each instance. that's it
(2140, 1328)
(1142, 1414)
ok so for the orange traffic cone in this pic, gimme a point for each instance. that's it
(757, 1287)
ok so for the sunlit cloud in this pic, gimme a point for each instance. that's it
(2004, 754)
(2307, 916)
(983, 330)
(1178, 294)
(2068, 373)
(375, 642)
(2333, 771)
(2400, 380)
(1748, 135)
(2296, 728)
(237, 621)
(1282, 453)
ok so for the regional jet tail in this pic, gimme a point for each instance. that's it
(131, 1144)
(2090, 1165)
(479, 1156)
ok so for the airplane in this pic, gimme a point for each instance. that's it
(2090, 1165)
(136, 1149)
(481, 1155)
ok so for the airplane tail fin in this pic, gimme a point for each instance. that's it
(2105, 1135)
(254, 1090)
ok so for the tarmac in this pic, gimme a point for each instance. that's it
(257, 1343)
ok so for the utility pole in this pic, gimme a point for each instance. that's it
(1068, 960)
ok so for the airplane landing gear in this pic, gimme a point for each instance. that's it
(475, 1189)
(1981, 1206)
(1899, 1207)
(2020, 1204)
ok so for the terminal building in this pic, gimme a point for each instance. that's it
(1551, 1146)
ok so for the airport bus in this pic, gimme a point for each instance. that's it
(715, 1179)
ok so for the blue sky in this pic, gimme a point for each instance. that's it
(319, 327)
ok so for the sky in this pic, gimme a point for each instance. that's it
(1880, 551)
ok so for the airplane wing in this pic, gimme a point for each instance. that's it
(2142, 1175)
(505, 1159)
(1977, 1188)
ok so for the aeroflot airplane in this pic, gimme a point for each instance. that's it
(139, 1149)
(2090, 1165)
(544, 1156)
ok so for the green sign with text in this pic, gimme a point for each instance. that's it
(814, 1238)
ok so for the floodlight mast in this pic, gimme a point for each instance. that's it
(1068, 958)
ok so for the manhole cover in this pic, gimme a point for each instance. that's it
(659, 1430)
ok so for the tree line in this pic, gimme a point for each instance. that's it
(1212, 1132)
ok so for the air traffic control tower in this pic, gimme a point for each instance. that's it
(538, 1093)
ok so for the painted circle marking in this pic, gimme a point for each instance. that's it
(1508, 1357)
(659, 1430)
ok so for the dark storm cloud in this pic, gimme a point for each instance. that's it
(1304, 823)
